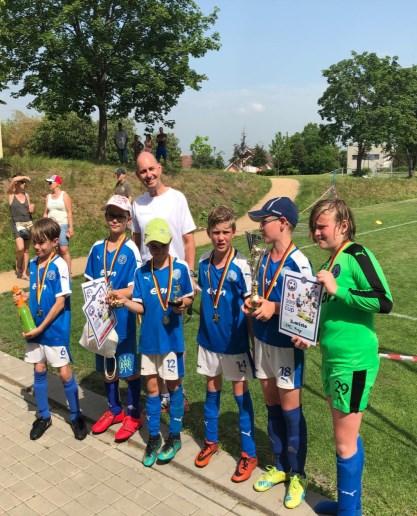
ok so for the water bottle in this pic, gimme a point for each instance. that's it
(24, 312)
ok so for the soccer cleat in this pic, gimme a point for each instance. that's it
(170, 448)
(296, 491)
(151, 452)
(270, 478)
(205, 454)
(244, 468)
(129, 427)
(79, 427)
(39, 427)
(106, 420)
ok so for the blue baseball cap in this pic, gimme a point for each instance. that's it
(277, 207)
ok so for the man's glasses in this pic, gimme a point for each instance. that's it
(115, 216)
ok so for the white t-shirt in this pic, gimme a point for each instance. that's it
(171, 206)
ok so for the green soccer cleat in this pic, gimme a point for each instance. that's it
(270, 478)
(170, 448)
(296, 491)
(151, 452)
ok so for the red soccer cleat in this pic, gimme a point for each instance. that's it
(205, 454)
(244, 468)
(129, 427)
(106, 420)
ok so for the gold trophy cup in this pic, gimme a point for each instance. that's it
(257, 251)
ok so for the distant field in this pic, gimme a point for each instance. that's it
(390, 422)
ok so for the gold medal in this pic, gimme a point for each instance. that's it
(216, 317)
(166, 320)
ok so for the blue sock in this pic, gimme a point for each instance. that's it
(113, 400)
(133, 398)
(211, 416)
(296, 439)
(246, 424)
(277, 433)
(40, 389)
(153, 414)
(71, 393)
(328, 507)
(349, 478)
(176, 410)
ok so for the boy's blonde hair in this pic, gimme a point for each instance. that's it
(45, 229)
(342, 213)
(221, 214)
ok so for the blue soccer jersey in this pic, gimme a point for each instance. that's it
(268, 331)
(121, 276)
(161, 332)
(57, 284)
(227, 331)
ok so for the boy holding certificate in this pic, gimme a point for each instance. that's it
(356, 289)
(162, 291)
(115, 260)
(48, 343)
(224, 278)
(279, 366)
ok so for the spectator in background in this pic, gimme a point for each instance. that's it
(59, 208)
(148, 143)
(137, 147)
(161, 145)
(120, 140)
(21, 211)
(122, 186)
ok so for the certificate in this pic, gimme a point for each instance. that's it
(300, 306)
(101, 319)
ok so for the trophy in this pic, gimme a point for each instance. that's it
(175, 298)
(257, 252)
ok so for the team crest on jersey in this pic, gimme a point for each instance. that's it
(122, 259)
(176, 274)
(51, 275)
(232, 276)
(336, 270)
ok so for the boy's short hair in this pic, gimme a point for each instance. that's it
(45, 229)
(342, 212)
(221, 214)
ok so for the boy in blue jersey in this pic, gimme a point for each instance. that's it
(48, 343)
(162, 291)
(115, 259)
(278, 365)
(224, 279)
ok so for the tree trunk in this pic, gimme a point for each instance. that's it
(102, 134)
(361, 152)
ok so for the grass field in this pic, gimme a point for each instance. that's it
(391, 419)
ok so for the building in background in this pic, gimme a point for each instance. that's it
(375, 159)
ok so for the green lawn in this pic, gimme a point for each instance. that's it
(391, 419)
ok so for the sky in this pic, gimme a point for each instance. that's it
(267, 76)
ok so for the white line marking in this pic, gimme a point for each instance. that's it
(402, 316)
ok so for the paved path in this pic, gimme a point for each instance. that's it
(58, 475)
(280, 187)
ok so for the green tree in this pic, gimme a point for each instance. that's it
(111, 56)
(17, 133)
(260, 156)
(280, 151)
(202, 152)
(357, 102)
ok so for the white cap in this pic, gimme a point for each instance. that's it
(121, 202)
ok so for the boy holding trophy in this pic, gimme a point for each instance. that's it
(279, 366)
(223, 351)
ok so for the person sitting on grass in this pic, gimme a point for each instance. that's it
(225, 281)
(278, 365)
(355, 289)
(162, 291)
(48, 343)
(115, 259)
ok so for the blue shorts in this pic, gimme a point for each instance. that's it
(127, 360)
(63, 239)
(161, 152)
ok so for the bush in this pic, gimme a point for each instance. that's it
(18, 132)
(363, 172)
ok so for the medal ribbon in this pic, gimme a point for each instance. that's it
(229, 259)
(163, 302)
(41, 281)
(288, 251)
(333, 259)
(116, 254)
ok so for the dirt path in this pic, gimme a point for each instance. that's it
(280, 187)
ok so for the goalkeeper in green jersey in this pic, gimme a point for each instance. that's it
(355, 289)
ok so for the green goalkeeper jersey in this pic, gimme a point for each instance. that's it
(347, 333)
